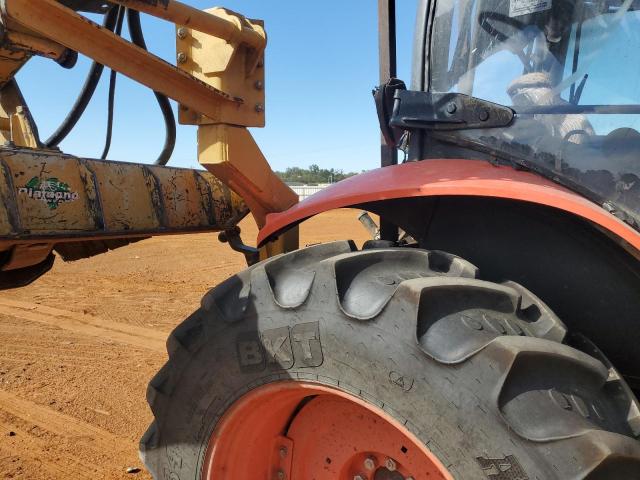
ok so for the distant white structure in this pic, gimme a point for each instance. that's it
(305, 191)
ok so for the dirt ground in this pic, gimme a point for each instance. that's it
(78, 347)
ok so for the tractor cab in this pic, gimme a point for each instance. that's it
(551, 85)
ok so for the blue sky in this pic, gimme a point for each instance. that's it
(321, 66)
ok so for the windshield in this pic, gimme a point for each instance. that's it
(571, 72)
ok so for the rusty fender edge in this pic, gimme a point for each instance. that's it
(81, 207)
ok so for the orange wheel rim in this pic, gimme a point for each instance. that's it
(302, 431)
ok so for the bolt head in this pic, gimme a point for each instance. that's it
(483, 115)
(182, 33)
(283, 452)
(451, 108)
(369, 463)
(182, 57)
(391, 464)
(258, 85)
(359, 477)
(281, 475)
(259, 107)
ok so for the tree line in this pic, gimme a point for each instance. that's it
(313, 175)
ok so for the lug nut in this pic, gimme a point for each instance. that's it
(391, 464)
(182, 57)
(369, 463)
(182, 33)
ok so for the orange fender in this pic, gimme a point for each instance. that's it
(448, 177)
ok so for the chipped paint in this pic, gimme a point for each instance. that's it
(54, 196)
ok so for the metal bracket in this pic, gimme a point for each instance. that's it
(384, 97)
(281, 458)
(232, 237)
(446, 111)
(228, 65)
(232, 155)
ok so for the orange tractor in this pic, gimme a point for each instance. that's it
(488, 333)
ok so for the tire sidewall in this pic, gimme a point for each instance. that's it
(362, 358)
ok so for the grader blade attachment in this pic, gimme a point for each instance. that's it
(81, 207)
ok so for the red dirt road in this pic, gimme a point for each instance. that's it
(78, 347)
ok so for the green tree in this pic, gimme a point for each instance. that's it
(313, 175)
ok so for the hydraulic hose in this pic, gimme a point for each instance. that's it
(88, 89)
(112, 91)
(137, 37)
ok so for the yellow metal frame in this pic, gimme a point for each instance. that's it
(219, 83)
(231, 66)
(16, 125)
(52, 198)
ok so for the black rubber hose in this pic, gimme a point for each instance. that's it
(88, 89)
(112, 91)
(135, 31)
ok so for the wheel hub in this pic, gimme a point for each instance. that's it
(296, 431)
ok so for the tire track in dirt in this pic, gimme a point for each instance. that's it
(133, 296)
(9, 461)
(85, 324)
(36, 426)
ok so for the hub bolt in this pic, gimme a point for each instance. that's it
(369, 463)
(391, 464)
(182, 33)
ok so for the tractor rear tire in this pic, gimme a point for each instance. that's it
(484, 375)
